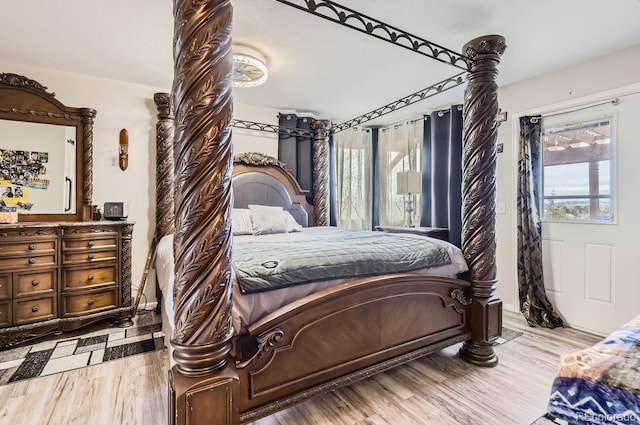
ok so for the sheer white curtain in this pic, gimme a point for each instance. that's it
(353, 151)
(399, 149)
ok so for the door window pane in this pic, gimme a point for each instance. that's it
(578, 171)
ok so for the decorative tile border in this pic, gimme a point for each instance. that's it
(55, 356)
(507, 335)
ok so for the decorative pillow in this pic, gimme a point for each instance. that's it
(267, 220)
(290, 223)
(241, 222)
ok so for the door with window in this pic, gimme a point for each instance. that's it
(590, 178)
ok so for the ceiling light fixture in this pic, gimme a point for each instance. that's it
(248, 71)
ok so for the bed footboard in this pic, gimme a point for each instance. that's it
(346, 333)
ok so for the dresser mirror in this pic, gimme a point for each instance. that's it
(45, 153)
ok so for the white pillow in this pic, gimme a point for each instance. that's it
(290, 223)
(241, 222)
(267, 220)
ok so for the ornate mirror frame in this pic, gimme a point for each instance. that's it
(26, 100)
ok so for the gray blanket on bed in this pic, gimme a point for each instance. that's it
(263, 265)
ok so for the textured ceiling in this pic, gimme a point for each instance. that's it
(317, 66)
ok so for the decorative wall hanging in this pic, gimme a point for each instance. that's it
(123, 157)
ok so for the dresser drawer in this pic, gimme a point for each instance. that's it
(5, 313)
(88, 256)
(27, 284)
(28, 233)
(89, 243)
(27, 261)
(85, 277)
(33, 310)
(28, 248)
(85, 303)
(5, 286)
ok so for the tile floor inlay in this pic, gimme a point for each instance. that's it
(55, 356)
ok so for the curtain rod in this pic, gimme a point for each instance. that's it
(614, 101)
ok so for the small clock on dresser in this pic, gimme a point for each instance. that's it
(116, 210)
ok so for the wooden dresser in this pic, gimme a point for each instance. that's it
(56, 277)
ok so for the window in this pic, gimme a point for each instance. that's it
(399, 149)
(578, 170)
(353, 151)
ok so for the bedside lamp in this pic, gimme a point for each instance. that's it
(409, 183)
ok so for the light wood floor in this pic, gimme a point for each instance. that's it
(438, 389)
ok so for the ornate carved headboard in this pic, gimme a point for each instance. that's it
(264, 180)
(257, 178)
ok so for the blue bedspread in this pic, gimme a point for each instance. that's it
(263, 264)
(601, 384)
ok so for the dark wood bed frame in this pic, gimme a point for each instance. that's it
(330, 338)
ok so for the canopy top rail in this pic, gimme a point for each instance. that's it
(350, 18)
(423, 94)
(270, 128)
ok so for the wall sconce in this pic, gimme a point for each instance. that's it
(409, 183)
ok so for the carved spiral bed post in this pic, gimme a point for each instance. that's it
(88, 116)
(479, 196)
(125, 319)
(165, 166)
(202, 384)
(321, 171)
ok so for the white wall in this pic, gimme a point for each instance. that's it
(123, 105)
(608, 73)
(252, 140)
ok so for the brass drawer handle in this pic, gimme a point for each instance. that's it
(35, 282)
(35, 309)
(90, 277)
(32, 260)
(90, 302)
(90, 256)
(32, 246)
(91, 243)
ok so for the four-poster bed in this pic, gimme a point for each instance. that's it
(339, 334)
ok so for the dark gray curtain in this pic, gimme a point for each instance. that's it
(297, 152)
(375, 178)
(441, 201)
(534, 304)
(332, 182)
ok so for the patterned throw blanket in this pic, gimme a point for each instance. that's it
(262, 263)
(601, 384)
